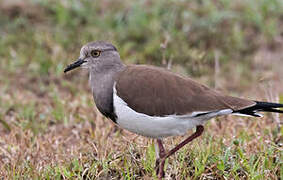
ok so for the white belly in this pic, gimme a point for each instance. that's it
(157, 127)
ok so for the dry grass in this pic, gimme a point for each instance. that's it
(50, 128)
(54, 132)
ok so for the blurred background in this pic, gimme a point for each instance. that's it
(49, 127)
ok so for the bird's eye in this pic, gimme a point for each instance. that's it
(95, 53)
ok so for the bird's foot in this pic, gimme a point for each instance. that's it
(159, 168)
(157, 162)
(161, 174)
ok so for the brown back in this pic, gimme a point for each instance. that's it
(158, 92)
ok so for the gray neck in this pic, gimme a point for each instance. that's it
(102, 80)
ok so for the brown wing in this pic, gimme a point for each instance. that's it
(158, 92)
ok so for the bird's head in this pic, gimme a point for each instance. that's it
(96, 55)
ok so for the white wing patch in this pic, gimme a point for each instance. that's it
(159, 127)
(246, 115)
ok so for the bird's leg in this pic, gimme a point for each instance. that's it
(161, 154)
(199, 131)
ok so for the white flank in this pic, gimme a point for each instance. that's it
(158, 127)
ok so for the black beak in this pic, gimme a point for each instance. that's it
(74, 65)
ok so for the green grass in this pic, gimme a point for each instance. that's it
(49, 128)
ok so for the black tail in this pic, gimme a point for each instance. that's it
(261, 107)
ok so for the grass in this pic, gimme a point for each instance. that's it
(50, 129)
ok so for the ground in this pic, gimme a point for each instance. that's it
(50, 128)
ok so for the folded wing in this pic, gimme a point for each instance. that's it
(158, 92)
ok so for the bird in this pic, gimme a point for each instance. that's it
(155, 102)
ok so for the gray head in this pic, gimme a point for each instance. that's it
(97, 56)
